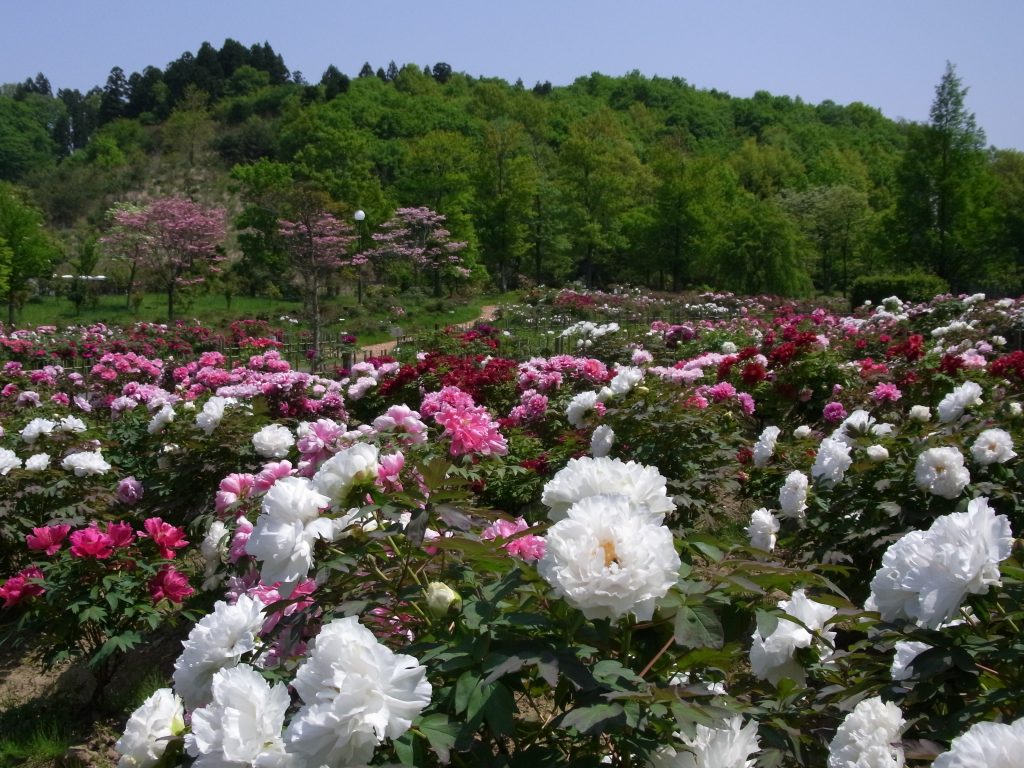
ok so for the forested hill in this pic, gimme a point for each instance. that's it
(632, 178)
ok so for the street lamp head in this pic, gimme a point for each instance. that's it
(359, 215)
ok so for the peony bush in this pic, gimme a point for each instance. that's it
(756, 534)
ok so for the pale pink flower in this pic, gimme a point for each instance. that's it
(471, 431)
(886, 393)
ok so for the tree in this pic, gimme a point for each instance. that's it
(317, 244)
(417, 235)
(179, 241)
(115, 96)
(29, 250)
(366, 71)
(941, 187)
(442, 72)
(334, 82)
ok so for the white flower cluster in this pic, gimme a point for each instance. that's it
(926, 575)
(764, 448)
(273, 441)
(608, 553)
(728, 744)
(772, 655)
(869, 737)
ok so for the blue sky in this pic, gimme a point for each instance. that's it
(886, 53)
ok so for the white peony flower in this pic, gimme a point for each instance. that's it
(941, 471)
(772, 656)
(586, 476)
(578, 408)
(858, 423)
(35, 428)
(793, 495)
(869, 737)
(356, 693)
(8, 460)
(358, 463)
(213, 412)
(920, 413)
(273, 441)
(214, 550)
(85, 463)
(71, 424)
(763, 529)
(601, 441)
(926, 575)
(801, 432)
(993, 446)
(832, 461)
(626, 377)
(903, 659)
(149, 729)
(877, 453)
(217, 641)
(242, 725)
(764, 448)
(726, 745)
(728, 348)
(953, 405)
(992, 745)
(288, 526)
(160, 419)
(37, 462)
(607, 558)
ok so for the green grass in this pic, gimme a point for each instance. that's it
(35, 734)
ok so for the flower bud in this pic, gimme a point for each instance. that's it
(441, 599)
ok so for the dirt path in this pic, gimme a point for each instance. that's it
(382, 348)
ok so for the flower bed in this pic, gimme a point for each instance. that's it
(780, 535)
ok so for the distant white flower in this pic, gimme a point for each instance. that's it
(953, 405)
(855, 425)
(1016, 409)
(772, 656)
(160, 419)
(35, 428)
(242, 724)
(578, 408)
(993, 745)
(37, 462)
(8, 460)
(336, 476)
(941, 471)
(273, 441)
(801, 432)
(217, 641)
(926, 575)
(877, 453)
(763, 529)
(356, 693)
(869, 737)
(601, 441)
(286, 530)
(726, 745)
(626, 377)
(920, 413)
(587, 476)
(213, 412)
(149, 729)
(85, 463)
(832, 461)
(993, 446)
(728, 348)
(71, 424)
(607, 558)
(764, 448)
(793, 495)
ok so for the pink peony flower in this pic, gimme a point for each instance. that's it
(170, 583)
(834, 412)
(21, 586)
(886, 393)
(232, 488)
(121, 534)
(529, 547)
(167, 537)
(91, 542)
(272, 472)
(48, 538)
(471, 431)
(389, 469)
(236, 550)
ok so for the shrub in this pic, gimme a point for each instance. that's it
(909, 286)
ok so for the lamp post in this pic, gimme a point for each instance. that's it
(360, 217)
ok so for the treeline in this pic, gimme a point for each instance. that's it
(637, 179)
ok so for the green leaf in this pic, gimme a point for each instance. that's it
(698, 627)
(596, 718)
(499, 711)
(440, 733)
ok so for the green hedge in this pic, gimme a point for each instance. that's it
(909, 286)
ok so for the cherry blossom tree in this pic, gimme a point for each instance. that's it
(317, 244)
(418, 235)
(174, 239)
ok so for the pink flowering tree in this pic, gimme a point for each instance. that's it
(317, 244)
(418, 235)
(174, 239)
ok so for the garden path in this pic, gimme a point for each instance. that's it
(487, 314)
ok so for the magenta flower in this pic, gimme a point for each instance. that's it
(236, 550)
(471, 431)
(129, 490)
(272, 472)
(166, 536)
(22, 585)
(121, 534)
(91, 542)
(48, 538)
(529, 547)
(886, 393)
(834, 412)
(388, 470)
(232, 488)
(170, 583)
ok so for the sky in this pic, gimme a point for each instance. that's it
(889, 54)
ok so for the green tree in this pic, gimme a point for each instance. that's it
(32, 251)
